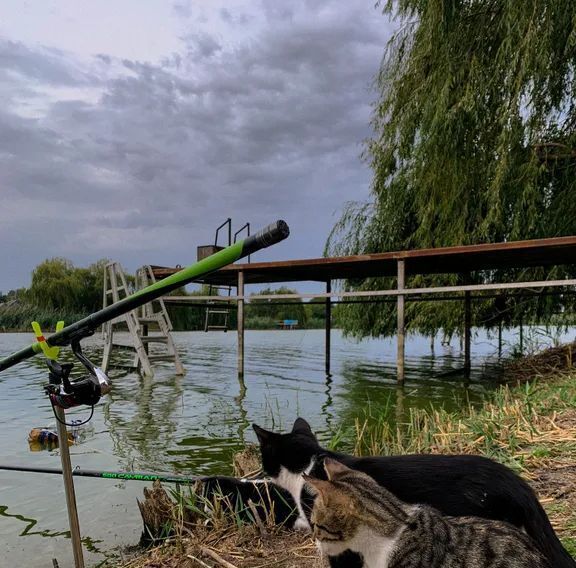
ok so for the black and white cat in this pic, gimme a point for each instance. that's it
(456, 485)
(267, 497)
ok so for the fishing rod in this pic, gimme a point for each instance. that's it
(65, 392)
(123, 475)
(270, 235)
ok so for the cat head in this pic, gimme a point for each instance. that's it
(335, 516)
(294, 451)
(349, 501)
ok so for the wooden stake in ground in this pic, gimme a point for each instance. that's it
(69, 487)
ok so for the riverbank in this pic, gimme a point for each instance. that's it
(530, 427)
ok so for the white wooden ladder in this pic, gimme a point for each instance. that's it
(151, 316)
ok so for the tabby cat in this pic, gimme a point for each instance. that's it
(353, 512)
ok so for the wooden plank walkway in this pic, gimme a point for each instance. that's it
(449, 260)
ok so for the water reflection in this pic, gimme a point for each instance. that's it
(194, 423)
(327, 406)
(141, 415)
(243, 422)
(30, 524)
(87, 542)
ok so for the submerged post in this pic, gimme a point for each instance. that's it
(467, 329)
(69, 487)
(328, 327)
(241, 324)
(400, 332)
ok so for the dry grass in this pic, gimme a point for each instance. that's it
(550, 362)
(203, 533)
(211, 533)
(517, 426)
(243, 548)
(247, 462)
(530, 427)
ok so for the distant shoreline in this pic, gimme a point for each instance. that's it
(232, 329)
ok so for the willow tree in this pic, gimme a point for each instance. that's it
(474, 142)
(58, 285)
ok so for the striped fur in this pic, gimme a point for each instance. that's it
(353, 512)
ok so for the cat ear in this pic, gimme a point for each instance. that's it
(302, 427)
(318, 487)
(333, 467)
(263, 435)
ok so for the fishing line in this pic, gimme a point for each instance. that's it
(71, 424)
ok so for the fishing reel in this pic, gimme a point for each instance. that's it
(66, 393)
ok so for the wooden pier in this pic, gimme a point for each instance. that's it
(461, 260)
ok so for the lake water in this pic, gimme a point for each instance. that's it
(193, 424)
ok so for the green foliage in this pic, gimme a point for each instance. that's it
(259, 314)
(58, 285)
(191, 318)
(59, 291)
(275, 311)
(316, 313)
(18, 317)
(474, 141)
(316, 308)
(12, 295)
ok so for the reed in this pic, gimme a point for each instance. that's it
(17, 317)
(190, 530)
(512, 426)
(530, 427)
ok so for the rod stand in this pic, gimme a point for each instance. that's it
(69, 487)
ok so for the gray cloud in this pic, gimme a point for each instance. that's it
(182, 9)
(268, 125)
(47, 66)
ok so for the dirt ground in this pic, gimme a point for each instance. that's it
(556, 488)
(245, 548)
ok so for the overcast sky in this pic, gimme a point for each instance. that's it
(131, 129)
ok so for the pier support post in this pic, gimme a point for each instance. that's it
(401, 323)
(241, 324)
(328, 327)
(467, 329)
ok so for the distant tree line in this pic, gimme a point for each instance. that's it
(61, 291)
(58, 291)
(259, 313)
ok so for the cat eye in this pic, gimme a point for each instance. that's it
(337, 534)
